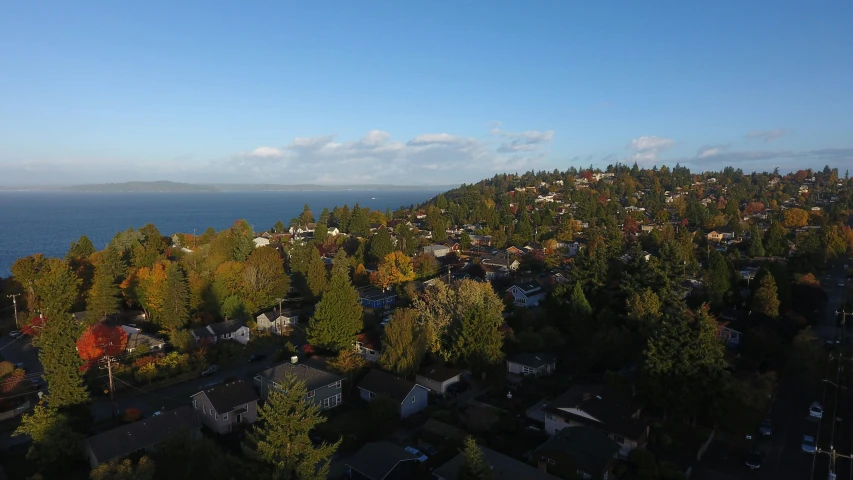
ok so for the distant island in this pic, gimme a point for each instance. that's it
(164, 186)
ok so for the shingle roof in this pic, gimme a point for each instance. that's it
(503, 468)
(222, 328)
(588, 448)
(377, 459)
(614, 410)
(129, 438)
(384, 383)
(534, 360)
(439, 372)
(529, 288)
(313, 378)
(228, 396)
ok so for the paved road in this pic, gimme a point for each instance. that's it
(21, 350)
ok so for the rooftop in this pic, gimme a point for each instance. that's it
(384, 383)
(129, 438)
(503, 468)
(226, 397)
(312, 377)
(377, 460)
(614, 412)
(534, 360)
(588, 448)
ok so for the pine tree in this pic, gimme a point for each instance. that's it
(579, 308)
(478, 339)
(280, 439)
(718, 279)
(765, 300)
(474, 465)
(112, 265)
(175, 313)
(57, 287)
(359, 223)
(403, 345)
(776, 242)
(317, 274)
(80, 249)
(380, 245)
(756, 246)
(321, 233)
(279, 227)
(341, 264)
(338, 317)
(104, 297)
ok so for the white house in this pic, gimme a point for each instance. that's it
(276, 321)
(261, 242)
(437, 250)
(227, 330)
(137, 339)
(526, 294)
(535, 364)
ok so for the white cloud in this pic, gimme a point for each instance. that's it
(647, 148)
(711, 150)
(767, 135)
(267, 152)
(527, 141)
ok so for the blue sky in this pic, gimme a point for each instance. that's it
(417, 92)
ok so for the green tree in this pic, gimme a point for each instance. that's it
(719, 279)
(104, 297)
(280, 439)
(359, 222)
(176, 307)
(57, 344)
(54, 440)
(765, 299)
(317, 274)
(644, 306)
(149, 248)
(775, 241)
(348, 362)
(82, 248)
(124, 470)
(474, 465)
(57, 288)
(26, 271)
(279, 227)
(338, 317)
(263, 278)
(478, 339)
(756, 246)
(113, 264)
(403, 346)
(465, 241)
(306, 216)
(321, 233)
(341, 264)
(579, 307)
(381, 245)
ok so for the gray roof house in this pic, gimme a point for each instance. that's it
(324, 388)
(437, 250)
(526, 294)
(411, 397)
(503, 468)
(227, 330)
(585, 452)
(276, 320)
(381, 461)
(223, 406)
(536, 364)
(437, 377)
(140, 436)
(136, 339)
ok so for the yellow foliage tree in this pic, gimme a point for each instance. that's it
(795, 218)
(395, 268)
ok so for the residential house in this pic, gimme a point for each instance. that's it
(140, 436)
(369, 345)
(601, 407)
(527, 294)
(513, 250)
(438, 376)
(437, 250)
(261, 242)
(276, 321)
(227, 330)
(502, 467)
(375, 298)
(720, 235)
(381, 461)
(305, 229)
(223, 406)
(491, 272)
(500, 260)
(535, 364)
(323, 388)
(731, 332)
(411, 397)
(584, 452)
(333, 231)
(137, 339)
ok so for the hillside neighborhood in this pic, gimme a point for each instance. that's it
(623, 323)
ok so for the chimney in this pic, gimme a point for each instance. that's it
(294, 359)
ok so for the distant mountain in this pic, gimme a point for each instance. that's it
(153, 187)
(175, 187)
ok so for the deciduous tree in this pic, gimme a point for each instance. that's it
(403, 345)
(124, 470)
(348, 362)
(101, 339)
(54, 440)
(395, 268)
(263, 278)
(795, 218)
(280, 439)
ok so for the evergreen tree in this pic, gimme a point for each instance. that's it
(756, 246)
(341, 264)
(325, 217)
(338, 317)
(81, 249)
(776, 242)
(279, 227)
(57, 344)
(765, 300)
(359, 223)
(474, 465)
(175, 313)
(321, 233)
(403, 346)
(478, 339)
(344, 219)
(579, 308)
(104, 297)
(112, 264)
(56, 287)
(280, 439)
(381, 245)
(718, 279)
(465, 241)
(316, 275)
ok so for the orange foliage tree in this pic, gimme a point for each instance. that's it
(795, 217)
(100, 340)
(396, 268)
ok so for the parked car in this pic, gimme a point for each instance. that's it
(210, 370)
(754, 459)
(766, 428)
(808, 445)
(257, 357)
(840, 284)
(816, 410)
(15, 334)
(419, 456)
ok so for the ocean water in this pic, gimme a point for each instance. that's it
(47, 222)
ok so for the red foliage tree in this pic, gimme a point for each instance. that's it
(33, 329)
(100, 340)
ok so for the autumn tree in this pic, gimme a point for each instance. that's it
(338, 316)
(795, 218)
(348, 362)
(425, 265)
(395, 268)
(280, 439)
(765, 299)
(474, 465)
(124, 469)
(54, 441)
(403, 345)
(263, 278)
(101, 339)
(148, 287)
(644, 306)
(26, 271)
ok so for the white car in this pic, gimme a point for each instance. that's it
(816, 410)
(419, 456)
(15, 334)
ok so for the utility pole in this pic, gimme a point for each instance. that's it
(843, 316)
(109, 361)
(14, 298)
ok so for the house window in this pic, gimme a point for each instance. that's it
(372, 395)
(338, 385)
(225, 416)
(195, 404)
(413, 399)
(212, 412)
(216, 417)
(327, 402)
(527, 370)
(311, 394)
(337, 399)
(204, 409)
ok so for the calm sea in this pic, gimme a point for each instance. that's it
(47, 222)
